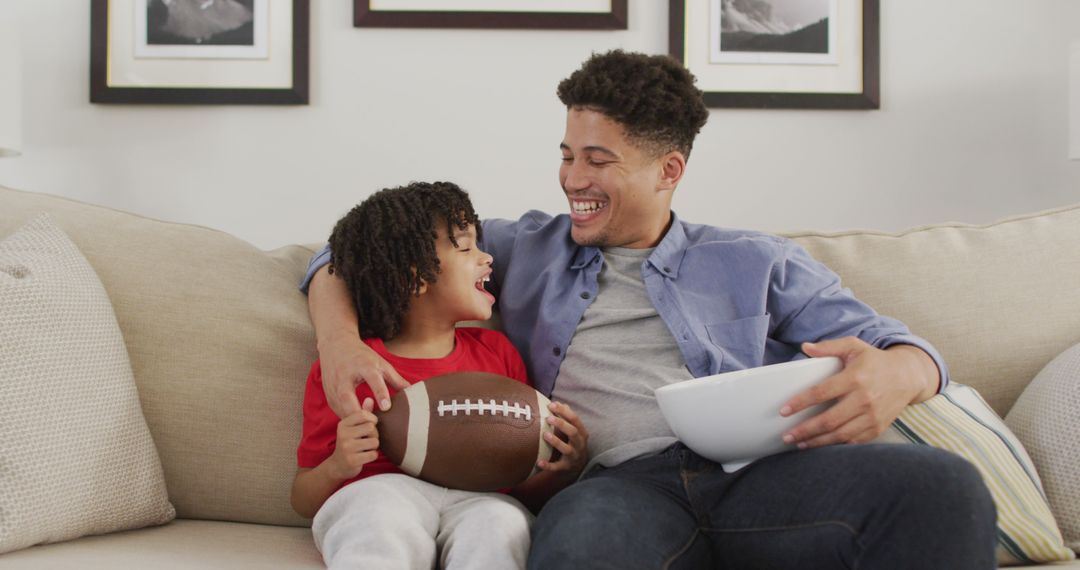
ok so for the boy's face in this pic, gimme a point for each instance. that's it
(459, 291)
(612, 185)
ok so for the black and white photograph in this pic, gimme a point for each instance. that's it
(780, 54)
(214, 62)
(227, 29)
(773, 31)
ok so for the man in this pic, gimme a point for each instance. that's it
(620, 297)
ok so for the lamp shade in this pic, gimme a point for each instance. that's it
(10, 87)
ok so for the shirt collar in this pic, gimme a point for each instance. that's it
(668, 255)
(584, 256)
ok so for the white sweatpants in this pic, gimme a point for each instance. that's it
(397, 521)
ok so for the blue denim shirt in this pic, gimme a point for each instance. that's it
(732, 299)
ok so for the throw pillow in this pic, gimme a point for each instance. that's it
(960, 421)
(1047, 419)
(77, 455)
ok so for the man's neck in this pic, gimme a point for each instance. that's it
(422, 338)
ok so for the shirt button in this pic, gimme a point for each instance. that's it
(584, 294)
(667, 270)
(556, 351)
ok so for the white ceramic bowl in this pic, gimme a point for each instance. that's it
(734, 418)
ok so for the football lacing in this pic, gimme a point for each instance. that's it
(518, 411)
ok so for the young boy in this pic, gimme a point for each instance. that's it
(410, 259)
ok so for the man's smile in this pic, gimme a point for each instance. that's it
(582, 211)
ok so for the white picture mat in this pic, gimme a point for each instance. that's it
(718, 56)
(124, 70)
(11, 73)
(844, 77)
(260, 50)
(582, 6)
(1074, 101)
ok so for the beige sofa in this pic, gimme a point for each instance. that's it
(220, 343)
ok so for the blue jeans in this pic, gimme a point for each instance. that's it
(871, 506)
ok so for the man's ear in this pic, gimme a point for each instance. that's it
(672, 167)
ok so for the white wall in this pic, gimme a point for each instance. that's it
(973, 127)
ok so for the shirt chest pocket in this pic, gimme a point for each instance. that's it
(742, 341)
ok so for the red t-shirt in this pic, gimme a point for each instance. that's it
(475, 350)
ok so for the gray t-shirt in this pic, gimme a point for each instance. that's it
(620, 353)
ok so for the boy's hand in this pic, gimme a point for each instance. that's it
(571, 443)
(357, 442)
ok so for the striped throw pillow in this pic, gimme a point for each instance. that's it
(960, 421)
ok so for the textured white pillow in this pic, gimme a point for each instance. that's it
(76, 456)
(1047, 419)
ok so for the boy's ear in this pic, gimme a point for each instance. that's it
(422, 287)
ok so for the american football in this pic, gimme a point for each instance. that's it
(473, 431)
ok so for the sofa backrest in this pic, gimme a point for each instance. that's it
(999, 300)
(220, 343)
(220, 340)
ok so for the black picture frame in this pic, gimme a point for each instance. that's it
(868, 98)
(102, 92)
(364, 16)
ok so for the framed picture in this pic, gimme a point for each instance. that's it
(520, 14)
(1074, 100)
(234, 52)
(780, 54)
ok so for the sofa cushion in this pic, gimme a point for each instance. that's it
(220, 343)
(1047, 419)
(180, 545)
(76, 457)
(998, 300)
(961, 422)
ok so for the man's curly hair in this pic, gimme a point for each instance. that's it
(653, 97)
(384, 249)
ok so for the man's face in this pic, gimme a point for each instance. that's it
(612, 185)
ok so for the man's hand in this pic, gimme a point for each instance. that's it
(348, 362)
(870, 392)
(570, 439)
(345, 360)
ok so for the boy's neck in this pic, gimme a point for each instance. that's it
(422, 338)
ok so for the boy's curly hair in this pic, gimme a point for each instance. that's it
(653, 97)
(384, 249)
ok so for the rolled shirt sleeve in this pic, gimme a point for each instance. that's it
(810, 305)
(321, 258)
